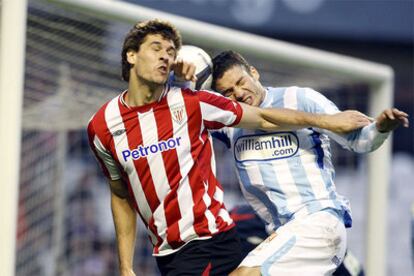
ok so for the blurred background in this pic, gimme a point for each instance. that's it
(72, 67)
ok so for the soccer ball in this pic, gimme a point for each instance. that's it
(203, 63)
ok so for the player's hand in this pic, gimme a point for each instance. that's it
(346, 121)
(390, 119)
(184, 70)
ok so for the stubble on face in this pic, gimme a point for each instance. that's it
(154, 60)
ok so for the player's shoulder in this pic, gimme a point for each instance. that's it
(296, 97)
(97, 120)
(202, 95)
(293, 89)
(302, 92)
(281, 91)
(278, 96)
(190, 92)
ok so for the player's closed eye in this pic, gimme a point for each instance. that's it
(171, 52)
(228, 93)
(241, 82)
(156, 48)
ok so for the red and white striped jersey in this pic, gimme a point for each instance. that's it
(163, 151)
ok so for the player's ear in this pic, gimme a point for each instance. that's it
(255, 74)
(131, 57)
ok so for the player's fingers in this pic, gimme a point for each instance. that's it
(404, 121)
(358, 113)
(361, 124)
(389, 114)
(178, 61)
(191, 73)
(361, 116)
(177, 65)
(186, 70)
(400, 113)
(365, 121)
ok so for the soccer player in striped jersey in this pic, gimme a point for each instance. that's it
(153, 145)
(287, 176)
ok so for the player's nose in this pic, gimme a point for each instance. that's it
(164, 55)
(238, 94)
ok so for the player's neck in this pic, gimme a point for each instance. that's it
(141, 92)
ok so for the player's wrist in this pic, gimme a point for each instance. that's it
(380, 128)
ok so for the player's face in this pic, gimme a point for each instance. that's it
(152, 63)
(240, 85)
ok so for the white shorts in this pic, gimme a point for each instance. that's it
(310, 245)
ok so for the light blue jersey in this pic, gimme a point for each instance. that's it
(289, 174)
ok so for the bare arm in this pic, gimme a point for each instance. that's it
(125, 219)
(289, 119)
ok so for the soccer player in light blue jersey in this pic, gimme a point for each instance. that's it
(287, 177)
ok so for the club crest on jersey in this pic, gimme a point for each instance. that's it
(266, 146)
(178, 114)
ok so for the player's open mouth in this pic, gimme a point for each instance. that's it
(162, 69)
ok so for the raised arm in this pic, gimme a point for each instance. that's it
(390, 119)
(371, 137)
(288, 119)
(125, 220)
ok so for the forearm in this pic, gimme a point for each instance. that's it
(340, 122)
(287, 119)
(125, 227)
(273, 118)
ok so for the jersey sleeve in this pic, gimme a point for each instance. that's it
(218, 111)
(363, 140)
(107, 163)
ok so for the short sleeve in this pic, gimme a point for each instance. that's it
(312, 101)
(218, 111)
(107, 163)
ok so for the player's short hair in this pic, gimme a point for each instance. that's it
(137, 34)
(224, 61)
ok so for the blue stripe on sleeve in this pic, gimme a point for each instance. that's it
(318, 149)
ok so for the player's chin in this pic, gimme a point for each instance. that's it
(160, 79)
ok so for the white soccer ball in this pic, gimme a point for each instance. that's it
(203, 63)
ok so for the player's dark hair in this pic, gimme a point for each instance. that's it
(137, 34)
(224, 61)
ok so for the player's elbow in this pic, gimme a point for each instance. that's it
(118, 189)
